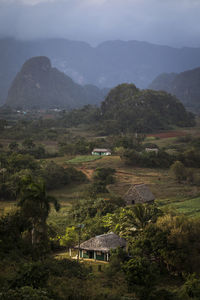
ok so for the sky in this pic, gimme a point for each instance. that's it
(166, 22)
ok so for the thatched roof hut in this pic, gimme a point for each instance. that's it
(138, 193)
(104, 242)
(99, 246)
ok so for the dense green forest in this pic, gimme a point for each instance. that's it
(128, 108)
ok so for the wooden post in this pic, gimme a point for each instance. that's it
(80, 227)
(95, 257)
(79, 237)
(79, 240)
(70, 252)
(107, 256)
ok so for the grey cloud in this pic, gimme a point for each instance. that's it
(172, 22)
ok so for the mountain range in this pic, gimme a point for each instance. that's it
(106, 65)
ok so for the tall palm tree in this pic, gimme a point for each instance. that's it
(35, 206)
(142, 214)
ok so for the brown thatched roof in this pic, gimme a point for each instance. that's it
(104, 242)
(138, 193)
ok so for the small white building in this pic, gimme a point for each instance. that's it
(99, 151)
(155, 150)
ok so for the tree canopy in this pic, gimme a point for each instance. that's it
(127, 108)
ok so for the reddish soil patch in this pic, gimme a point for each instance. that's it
(169, 134)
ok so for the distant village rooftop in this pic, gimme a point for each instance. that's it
(152, 150)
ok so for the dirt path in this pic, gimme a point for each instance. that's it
(87, 172)
(122, 172)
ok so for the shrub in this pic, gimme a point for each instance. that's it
(192, 287)
(24, 293)
(179, 171)
(141, 275)
(104, 175)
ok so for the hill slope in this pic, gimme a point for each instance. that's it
(106, 65)
(126, 108)
(38, 85)
(185, 86)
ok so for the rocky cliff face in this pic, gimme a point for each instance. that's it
(38, 85)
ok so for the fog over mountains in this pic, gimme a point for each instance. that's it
(108, 64)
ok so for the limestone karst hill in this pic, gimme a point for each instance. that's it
(39, 85)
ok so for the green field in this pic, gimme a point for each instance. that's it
(82, 159)
(189, 207)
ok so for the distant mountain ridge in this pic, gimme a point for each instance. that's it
(106, 65)
(40, 86)
(185, 86)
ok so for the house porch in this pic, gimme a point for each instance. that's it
(96, 255)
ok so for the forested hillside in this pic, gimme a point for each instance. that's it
(185, 86)
(126, 108)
